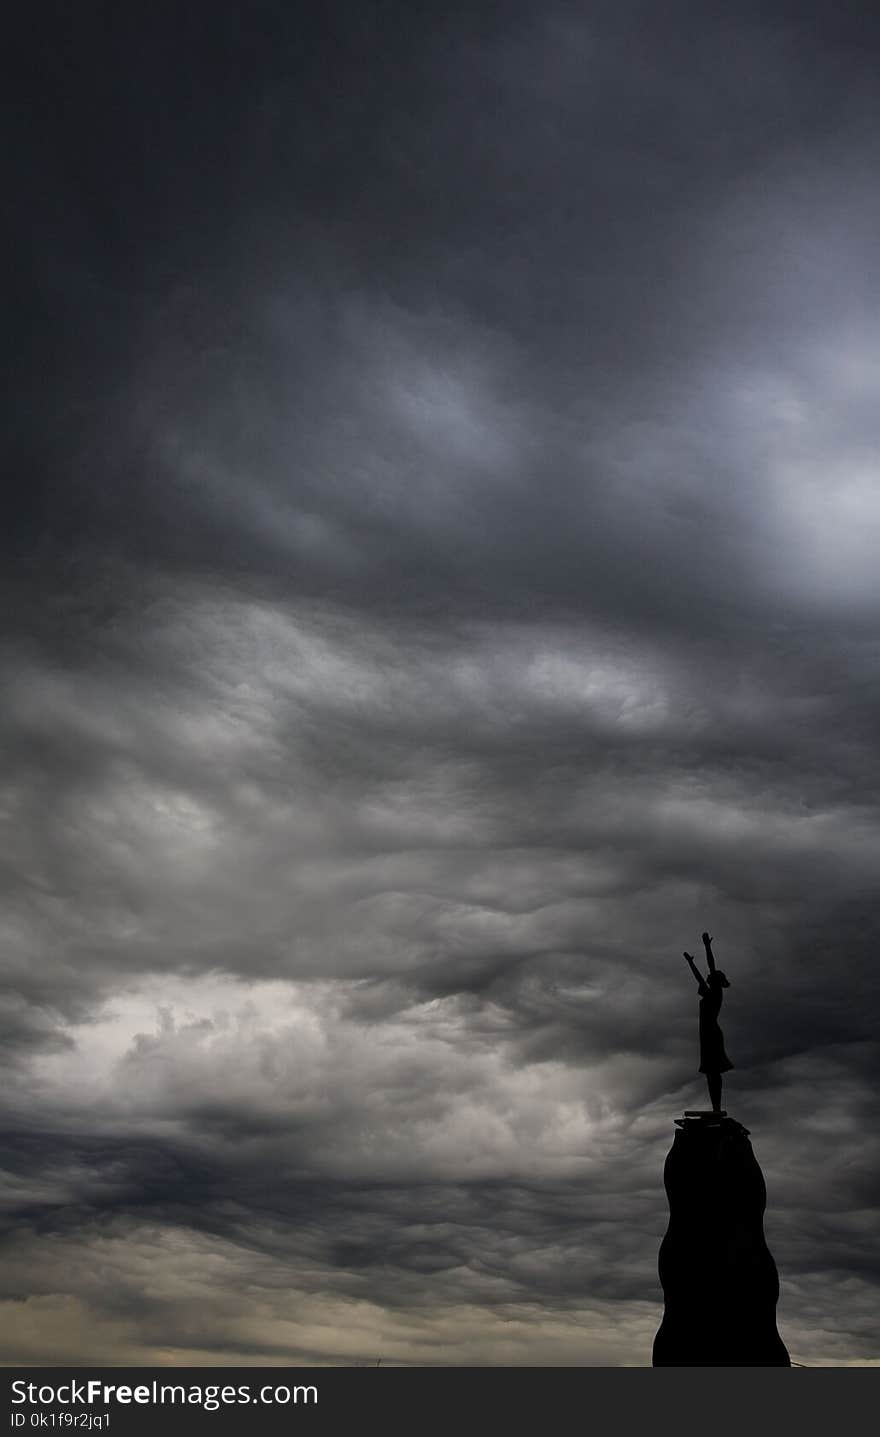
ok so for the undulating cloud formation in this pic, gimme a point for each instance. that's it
(441, 580)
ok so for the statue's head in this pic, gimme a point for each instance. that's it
(719, 979)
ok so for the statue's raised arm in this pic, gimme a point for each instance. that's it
(707, 944)
(701, 982)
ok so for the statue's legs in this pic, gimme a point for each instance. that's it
(714, 1082)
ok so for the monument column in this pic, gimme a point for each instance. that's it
(720, 1283)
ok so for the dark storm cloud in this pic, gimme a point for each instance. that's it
(442, 581)
(553, 166)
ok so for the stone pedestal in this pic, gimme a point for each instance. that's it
(719, 1279)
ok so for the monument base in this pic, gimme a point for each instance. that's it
(719, 1279)
(703, 1115)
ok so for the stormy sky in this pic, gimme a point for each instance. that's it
(439, 580)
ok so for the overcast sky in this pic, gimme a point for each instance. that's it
(440, 580)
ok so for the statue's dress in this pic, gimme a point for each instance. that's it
(713, 1058)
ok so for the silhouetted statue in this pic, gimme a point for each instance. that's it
(720, 1284)
(713, 1059)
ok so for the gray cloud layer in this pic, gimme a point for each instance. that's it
(442, 583)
